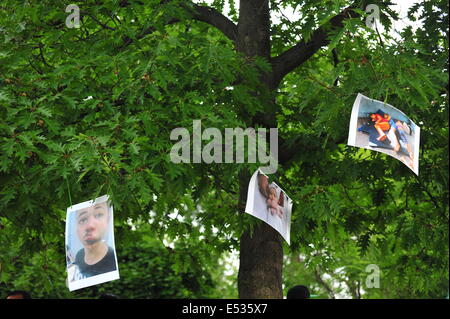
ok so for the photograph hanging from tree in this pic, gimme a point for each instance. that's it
(90, 251)
(268, 202)
(381, 127)
(94, 93)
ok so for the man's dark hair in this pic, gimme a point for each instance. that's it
(108, 296)
(298, 292)
(23, 293)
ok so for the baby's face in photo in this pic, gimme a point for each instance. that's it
(273, 192)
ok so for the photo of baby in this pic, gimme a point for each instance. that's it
(270, 192)
(381, 127)
(268, 202)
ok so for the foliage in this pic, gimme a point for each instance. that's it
(148, 269)
(399, 221)
(89, 111)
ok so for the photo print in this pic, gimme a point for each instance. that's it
(268, 202)
(90, 249)
(378, 126)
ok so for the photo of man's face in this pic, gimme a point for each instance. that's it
(90, 248)
(92, 224)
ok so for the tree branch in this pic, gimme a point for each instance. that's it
(200, 13)
(104, 26)
(41, 54)
(335, 63)
(290, 149)
(323, 283)
(216, 19)
(302, 51)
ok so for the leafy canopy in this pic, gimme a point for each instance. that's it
(89, 111)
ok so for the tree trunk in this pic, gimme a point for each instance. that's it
(261, 251)
(261, 257)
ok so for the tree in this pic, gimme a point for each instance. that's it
(87, 111)
(41, 272)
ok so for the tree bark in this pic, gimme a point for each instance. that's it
(261, 251)
(261, 257)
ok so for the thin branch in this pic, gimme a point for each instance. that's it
(302, 51)
(335, 63)
(41, 54)
(323, 283)
(424, 188)
(216, 19)
(104, 26)
(335, 57)
(351, 200)
(34, 68)
(199, 13)
(111, 16)
(331, 89)
(289, 149)
(379, 35)
(358, 289)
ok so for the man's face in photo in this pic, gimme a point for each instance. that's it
(92, 224)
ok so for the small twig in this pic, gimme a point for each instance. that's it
(351, 200)
(323, 283)
(104, 26)
(335, 62)
(37, 70)
(379, 35)
(324, 85)
(41, 54)
(427, 192)
(374, 71)
(114, 20)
